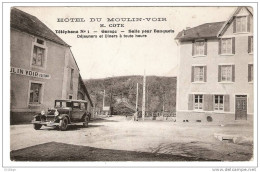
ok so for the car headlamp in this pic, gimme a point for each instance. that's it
(42, 112)
(56, 113)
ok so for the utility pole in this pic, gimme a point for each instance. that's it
(111, 109)
(136, 105)
(163, 100)
(143, 103)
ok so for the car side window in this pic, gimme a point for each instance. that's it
(82, 106)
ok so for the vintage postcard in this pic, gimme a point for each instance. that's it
(133, 84)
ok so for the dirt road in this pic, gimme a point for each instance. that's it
(156, 137)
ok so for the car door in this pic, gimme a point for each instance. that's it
(76, 112)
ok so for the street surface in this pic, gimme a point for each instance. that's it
(191, 140)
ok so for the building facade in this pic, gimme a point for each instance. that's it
(42, 68)
(215, 80)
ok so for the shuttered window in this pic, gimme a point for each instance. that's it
(218, 102)
(241, 24)
(199, 74)
(227, 46)
(226, 73)
(198, 102)
(199, 47)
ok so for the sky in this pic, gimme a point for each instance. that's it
(157, 54)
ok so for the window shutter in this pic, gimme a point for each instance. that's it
(219, 46)
(234, 25)
(249, 72)
(249, 44)
(233, 45)
(205, 47)
(192, 48)
(192, 73)
(208, 102)
(233, 73)
(248, 23)
(205, 73)
(219, 73)
(190, 103)
(226, 103)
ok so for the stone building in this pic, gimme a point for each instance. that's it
(43, 68)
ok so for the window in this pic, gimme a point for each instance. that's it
(198, 101)
(71, 78)
(226, 73)
(226, 46)
(76, 105)
(35, 93)
(70, 96)
(83, 106)
(241, 24)
(199, 48)
(250, 73)
(38, 56)
(39, 53)
(198, 73)
(218, 102)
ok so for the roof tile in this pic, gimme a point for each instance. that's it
(207, 30)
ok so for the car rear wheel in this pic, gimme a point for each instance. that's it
(37, 126)
(63, 124)
(86, 120)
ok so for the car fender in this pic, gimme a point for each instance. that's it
(62, 116)
(37, 117)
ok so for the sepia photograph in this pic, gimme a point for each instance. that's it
(132, 84)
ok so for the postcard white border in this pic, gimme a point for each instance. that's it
(6, 97)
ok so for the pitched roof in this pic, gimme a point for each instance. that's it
(232, 18)
(207, 30)
(32, 25)
(85, 89)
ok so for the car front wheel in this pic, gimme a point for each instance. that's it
(37, 126)
(63, 124)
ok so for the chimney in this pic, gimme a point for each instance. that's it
(183, 32)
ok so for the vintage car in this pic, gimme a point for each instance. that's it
(65, 112)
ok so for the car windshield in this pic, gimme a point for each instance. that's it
(62, 104)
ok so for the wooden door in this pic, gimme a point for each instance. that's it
(241, 107)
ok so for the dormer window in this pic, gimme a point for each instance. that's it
(241, 24)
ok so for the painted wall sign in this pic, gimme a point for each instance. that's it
(31, 73)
